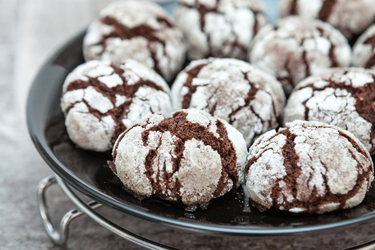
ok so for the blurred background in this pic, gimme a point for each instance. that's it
(30, 31)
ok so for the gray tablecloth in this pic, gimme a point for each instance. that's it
(30, 30)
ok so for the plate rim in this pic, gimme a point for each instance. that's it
(79, 185)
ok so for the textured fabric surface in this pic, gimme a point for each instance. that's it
(30, 31)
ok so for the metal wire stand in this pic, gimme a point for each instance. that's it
(60, 236)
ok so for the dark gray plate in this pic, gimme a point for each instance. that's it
(89, 174)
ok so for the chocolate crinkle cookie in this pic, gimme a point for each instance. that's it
(364, 49)
(296, 48)
(138, 30)
(101, 100)
(343, 97)
(308, 167)
(219, 28)
(246, 97)
(191, 157)
(351, 17)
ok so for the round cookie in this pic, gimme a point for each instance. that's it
(138, 30)
(219, 28)
(235, 91)
(296, 48)
(364, 49)
(191, 157)
(351, 17)
(100, 101)
(308, 167)
(343, 97)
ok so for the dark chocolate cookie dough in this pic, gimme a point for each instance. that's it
(364, 49)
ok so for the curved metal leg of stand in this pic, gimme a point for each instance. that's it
(61, 236)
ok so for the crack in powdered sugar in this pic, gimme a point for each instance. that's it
(234, 91)
(203, 10)
(293, 7)
(311, 53)
(125, 33)
(250, 96)
(331, 53)
(324, 12)
(304, 59)
(371, 61)
(326, 9)
(180, 127)
(117, 113)
(192, 73)
(236, 48)
(293, 170)
(364, 96)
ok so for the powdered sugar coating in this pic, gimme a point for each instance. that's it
(99, 103)
(340, 97)
(298, 47)
(351, 17)
(219, 28)
(167, 158)
(364, 49)
(138, 30)
(246, 97)
(308, 167)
